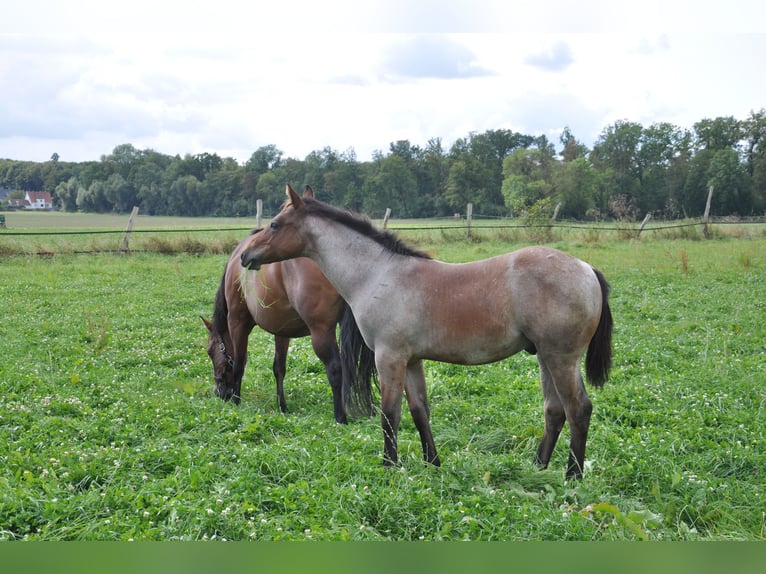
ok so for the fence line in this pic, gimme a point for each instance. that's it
(512, 224)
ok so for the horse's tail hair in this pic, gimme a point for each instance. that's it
(598, 360)
(358, 367)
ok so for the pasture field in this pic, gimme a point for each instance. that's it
(109, 429)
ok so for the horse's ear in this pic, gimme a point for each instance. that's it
(294, 198)
(308, 192)
(207, 323)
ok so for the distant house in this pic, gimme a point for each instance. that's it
(38, 200)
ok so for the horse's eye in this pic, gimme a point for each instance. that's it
(274, 225)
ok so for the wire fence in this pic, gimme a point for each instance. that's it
(427, 224)
(33, 241)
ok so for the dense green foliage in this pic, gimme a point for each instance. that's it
(632, 170)
(109, 429)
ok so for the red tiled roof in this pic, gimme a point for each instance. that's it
(34, 196)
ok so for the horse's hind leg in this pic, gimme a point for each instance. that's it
(554, 417)
(415, 388)
(281, 345)
(565, 399)
(326, 348)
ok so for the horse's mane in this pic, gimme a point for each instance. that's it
(221, 309)
(361, 224)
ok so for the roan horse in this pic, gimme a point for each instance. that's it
(410, 308)
(289, 300)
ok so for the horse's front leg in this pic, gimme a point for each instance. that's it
(417, 400)
(279, 367)
(391, 373)
(326, 348)
(239, 333)
(239, 363)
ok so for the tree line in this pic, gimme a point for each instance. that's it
(632, 170)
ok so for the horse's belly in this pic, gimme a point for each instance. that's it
(279, 319)
(464, 349)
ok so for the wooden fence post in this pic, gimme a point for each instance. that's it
(126, 238)
(258, 213)
(386, 217)
(706, 217)
(643, 223)
(468, 219)
(555, 213)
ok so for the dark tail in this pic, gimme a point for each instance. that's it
(358, 366)
(598, 360)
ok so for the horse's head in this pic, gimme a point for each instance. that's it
(226, 386)
(282, 239)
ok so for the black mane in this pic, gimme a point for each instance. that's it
(361, 224)
(221, 309)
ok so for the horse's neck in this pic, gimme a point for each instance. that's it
(348, 259)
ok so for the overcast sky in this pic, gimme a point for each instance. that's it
(220, 76)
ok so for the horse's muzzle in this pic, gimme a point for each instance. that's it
(226, 394)
(250, 261)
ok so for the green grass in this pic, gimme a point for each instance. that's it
(109, 429)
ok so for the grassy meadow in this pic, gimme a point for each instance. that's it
(109, 429)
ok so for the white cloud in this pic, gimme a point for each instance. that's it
(555, 59)
(189, 77)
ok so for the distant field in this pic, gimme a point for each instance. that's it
(58, 232)
(63, 220)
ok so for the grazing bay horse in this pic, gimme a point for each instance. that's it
(287, 299)
(410, 307)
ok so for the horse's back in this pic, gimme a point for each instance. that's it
(482, 311)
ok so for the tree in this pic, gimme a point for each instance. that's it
(754, 131)
(431, 170)
(225, 188)
(527, 178)
(718, 133)
(576, 185)
(93, 198)
(119, 194)
(123, 158)
(572, 149)
(616, 155)
(716, 162)
(392, 186)
(265, 158)
(151, 199)
(489, 150)
(269, 192)
(66, 191)
(186, 196)
(347, 181)
(321, 168)
(730, 183)
(464, 182)
(663, 162)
